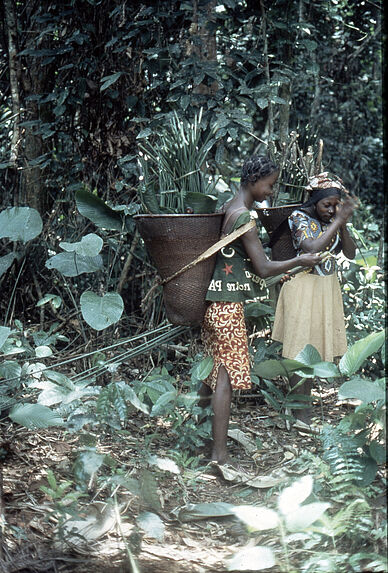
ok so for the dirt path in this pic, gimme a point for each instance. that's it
(30, 541)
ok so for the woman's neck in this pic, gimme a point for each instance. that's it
(244, 198)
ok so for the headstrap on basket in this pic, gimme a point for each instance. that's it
(213, 249)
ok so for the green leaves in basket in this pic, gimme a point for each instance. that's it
(149, 200)
(200, 203)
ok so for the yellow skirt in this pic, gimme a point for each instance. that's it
(310, 311)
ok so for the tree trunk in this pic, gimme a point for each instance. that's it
(36, 78)
(270, 126)
(14, 75)
(207, 50)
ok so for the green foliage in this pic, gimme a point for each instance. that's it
(20, 224)
(101, 311)
(172, 168)
(72, 265)
(97, 211)
(34, 416)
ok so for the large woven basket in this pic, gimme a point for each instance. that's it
(173, 241)
(275, 222)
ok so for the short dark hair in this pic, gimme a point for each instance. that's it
(257, 167)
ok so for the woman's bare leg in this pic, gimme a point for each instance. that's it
(304, 414)
(205, 393)
(222, 399)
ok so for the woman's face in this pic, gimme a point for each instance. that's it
(326, 208)
(263, 188)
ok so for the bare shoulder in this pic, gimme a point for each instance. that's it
(232, 213)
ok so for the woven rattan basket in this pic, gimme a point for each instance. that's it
(173, 241)
(275, 222)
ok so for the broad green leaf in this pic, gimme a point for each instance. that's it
(199, 511)
(20, 224)
(6, 402)
(152, 525)
(4, 333)
(273, 368)
(149, 200)
(94, 209)
(377, 452)
(72, 265)
(101, 311)
(129, 483)
(369, 471)
(326, 370)
(200, 203)
(10, 369)
(359, 352)
(291, 497)
(133, 398)
(159, 406)
(202, 370)
(51, 394)
(35, 416)
(361, 389)
(252, 559)
(305, 515)
(89, 246)
(6, 262)
(309, 355)
(43, 351)
(257, 518)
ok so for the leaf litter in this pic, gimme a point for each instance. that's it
(189, 509)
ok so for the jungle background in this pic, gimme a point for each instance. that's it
(101, 468)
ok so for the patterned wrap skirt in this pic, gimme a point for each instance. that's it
(224, 337)
(310, 311)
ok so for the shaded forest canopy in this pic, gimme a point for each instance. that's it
(84, 82)
(81, 80)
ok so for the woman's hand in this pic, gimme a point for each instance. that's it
(346, 208)
(309, 259)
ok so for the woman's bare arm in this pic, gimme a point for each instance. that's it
(266, 268)
(344, 213)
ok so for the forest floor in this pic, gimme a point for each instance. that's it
(30, 538)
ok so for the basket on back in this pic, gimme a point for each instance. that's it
(172, 242)
(275, 222)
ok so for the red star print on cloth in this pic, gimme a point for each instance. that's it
(228, 269)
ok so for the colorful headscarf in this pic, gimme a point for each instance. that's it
(324, 185)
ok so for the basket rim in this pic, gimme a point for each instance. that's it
(168, 215)
(278, 207)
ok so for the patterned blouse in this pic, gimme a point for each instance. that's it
(303, 226)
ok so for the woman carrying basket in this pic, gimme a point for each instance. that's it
(310, 308)
(240, 268)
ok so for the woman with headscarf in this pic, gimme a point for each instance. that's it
(310, 307)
